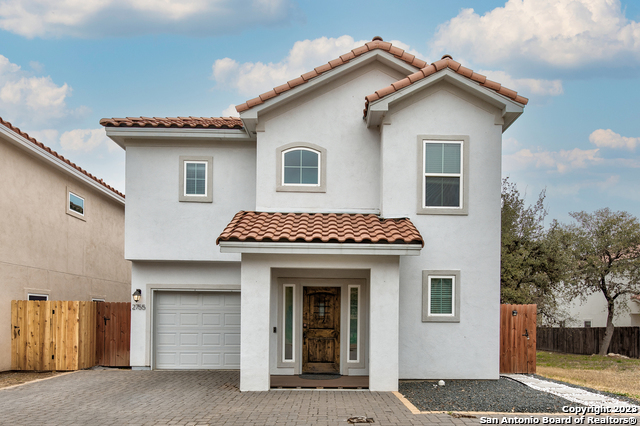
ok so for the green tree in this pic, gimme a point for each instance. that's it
(531, 263)
(604, 254)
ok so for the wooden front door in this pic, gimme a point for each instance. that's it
(321, 330)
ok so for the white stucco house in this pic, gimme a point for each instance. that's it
(310, 236)
(592, 312)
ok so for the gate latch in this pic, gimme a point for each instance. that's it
(526, 333)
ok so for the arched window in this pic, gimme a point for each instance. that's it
(301, 166)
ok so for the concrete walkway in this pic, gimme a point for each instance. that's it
(572, 394)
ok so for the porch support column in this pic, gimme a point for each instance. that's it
(384, 305)
(254, 324)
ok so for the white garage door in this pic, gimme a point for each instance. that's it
(197, 330)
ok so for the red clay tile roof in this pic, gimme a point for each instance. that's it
(376, 43)
(319, 228)
(446, 62)
(194, 122)
(55, 154)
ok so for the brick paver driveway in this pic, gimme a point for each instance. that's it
(123, 397)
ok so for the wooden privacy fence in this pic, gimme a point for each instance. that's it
(518, 339)
(587, 340)
(63, 335)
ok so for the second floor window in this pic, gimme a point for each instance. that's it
(195, 181)
(301, 166)
(442, 174)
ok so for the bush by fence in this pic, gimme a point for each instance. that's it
(586, 341)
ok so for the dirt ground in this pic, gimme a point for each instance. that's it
(11, 378)
(615, 374)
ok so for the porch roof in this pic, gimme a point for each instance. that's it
(332, 228)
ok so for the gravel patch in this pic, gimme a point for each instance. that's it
(503, 395)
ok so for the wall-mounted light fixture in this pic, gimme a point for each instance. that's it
(137, 295)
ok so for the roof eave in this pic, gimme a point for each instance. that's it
(250, 117)
(35, 151)
(270, 247)
(123, 135)
(510, 110)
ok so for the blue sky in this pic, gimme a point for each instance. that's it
(65, 64)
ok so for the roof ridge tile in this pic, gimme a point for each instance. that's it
(45, 148)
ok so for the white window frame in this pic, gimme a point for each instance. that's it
(293, 323)
(426, 175)
(309, 185)
(321, 186)
(463, 208)
(427, 276)
(359, 319)
(207, 197)
(206, 184)
(78, 215)
(46, 296)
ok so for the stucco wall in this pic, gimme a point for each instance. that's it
(471, 243)
(159, 226)
(45, 250)
(332, 119)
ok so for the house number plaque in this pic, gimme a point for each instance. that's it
(140, 307)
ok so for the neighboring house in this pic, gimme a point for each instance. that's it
(593, 312)
(61, 231)
(308, 236)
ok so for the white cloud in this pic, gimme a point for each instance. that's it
(526, 86)
(48, 137)
(610, 139)
(254, 78)
(561, 33)
(230, 111)
(562, 161)
(84, 139)
(95, 18)
(31, 100)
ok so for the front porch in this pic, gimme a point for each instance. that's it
(302, 382)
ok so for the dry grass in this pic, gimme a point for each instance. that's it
(11, 378)
(610, 374)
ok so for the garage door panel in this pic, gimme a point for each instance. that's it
(166, 359)
(189, 299)
(189, 319)
(209, 339)
(210, 360)
(188, 339)
(212, 299)
(231, 339)
(232, 360)
(168, 300)
(197, 330)
(189, 359)
(232, 320)
(210, 319)
(166, 339)
(167, 319)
